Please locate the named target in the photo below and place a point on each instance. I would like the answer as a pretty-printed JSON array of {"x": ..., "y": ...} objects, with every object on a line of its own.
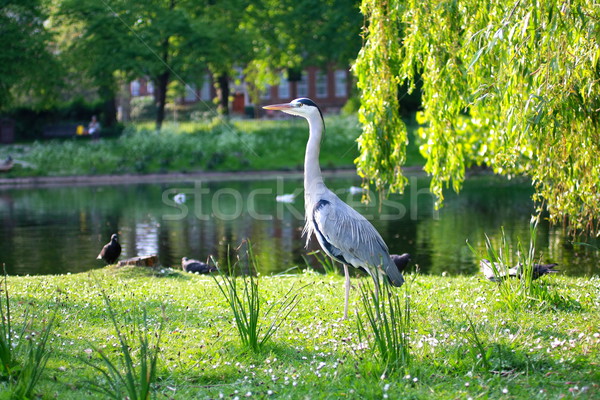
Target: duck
[
  {"x": 196, "y": 266},
  {"x": 401, "y": 261},
  {"x": 514, "y": 272},
  {"x": 7, "y": 164}
]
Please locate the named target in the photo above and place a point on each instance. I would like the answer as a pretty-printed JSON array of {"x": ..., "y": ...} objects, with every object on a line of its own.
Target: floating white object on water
[
  {"x": 356, "y": 190},
  {"x": 285, "y": 198},
  {"x": 179, "y": 198}
]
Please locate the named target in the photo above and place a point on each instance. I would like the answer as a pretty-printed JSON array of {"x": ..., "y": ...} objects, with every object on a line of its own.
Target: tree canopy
[
  {"x": 25, "y": 45},
  {"x": 119, "y": 38},
  {"x": 290, "y": 35},
  {"x": 177, "y": 41},
  {"x": 510, "y": 85}
]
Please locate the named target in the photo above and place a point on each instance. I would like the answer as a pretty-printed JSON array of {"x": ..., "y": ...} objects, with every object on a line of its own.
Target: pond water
[{"x": 61, "y": 229}]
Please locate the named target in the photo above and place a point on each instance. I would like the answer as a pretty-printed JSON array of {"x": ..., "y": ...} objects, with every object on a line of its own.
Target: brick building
[{"x": 330, "y": 88}]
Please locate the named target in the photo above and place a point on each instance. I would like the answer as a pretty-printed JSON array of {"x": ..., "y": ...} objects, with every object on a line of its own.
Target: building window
[
  {"x": 341, "y": 88},
  {"x": 205, "y": 91},
  {"x": 266, "y": 94},
  {"x": 150, "y": 87},
  {"x": 283, "y": 91},
  {"x": 321, "y": 82},
  {"x": 135, "y": 88},
  {"x": 190, "y": 92},
  {"x": 302, "y": 86}
]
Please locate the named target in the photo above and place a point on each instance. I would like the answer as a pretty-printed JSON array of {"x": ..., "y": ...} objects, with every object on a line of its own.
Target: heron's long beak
[{"x": 285, "y": 106}]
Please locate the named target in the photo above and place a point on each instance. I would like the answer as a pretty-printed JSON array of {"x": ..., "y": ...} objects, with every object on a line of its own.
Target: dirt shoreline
[{"x": 99, "y": 180}]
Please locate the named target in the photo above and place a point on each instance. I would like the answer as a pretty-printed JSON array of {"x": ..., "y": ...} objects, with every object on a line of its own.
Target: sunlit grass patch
[
  {"x": 24, "y": 349},
  {"x": 531, "y": 352},
  {"x": 215, "y": 144}
]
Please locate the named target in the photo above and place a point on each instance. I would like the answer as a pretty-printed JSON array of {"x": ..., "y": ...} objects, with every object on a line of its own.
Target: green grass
[
  {"x": 235, "y": 145},
  {"x": 23, "y": 348},
  {"x": 533, "y": 353},
  {"x": 386, "y": 325},
  {"x": 134, "y": 376},
  {"x": 256, "y": 319}
]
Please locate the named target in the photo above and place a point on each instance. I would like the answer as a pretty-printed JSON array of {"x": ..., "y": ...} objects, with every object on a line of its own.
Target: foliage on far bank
[{"x": 218, "y": 145}]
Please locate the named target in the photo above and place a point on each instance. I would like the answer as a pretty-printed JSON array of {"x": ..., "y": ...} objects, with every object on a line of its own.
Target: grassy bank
[
  {"x": 463, "y": 341},
  {"x": 234, "y": 145}
]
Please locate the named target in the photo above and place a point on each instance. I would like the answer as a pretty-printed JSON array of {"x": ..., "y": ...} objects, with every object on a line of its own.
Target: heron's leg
[{"x": 347, "y": 274}]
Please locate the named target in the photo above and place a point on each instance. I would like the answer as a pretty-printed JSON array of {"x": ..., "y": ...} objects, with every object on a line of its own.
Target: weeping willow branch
[{"x": 514, "y": 87}]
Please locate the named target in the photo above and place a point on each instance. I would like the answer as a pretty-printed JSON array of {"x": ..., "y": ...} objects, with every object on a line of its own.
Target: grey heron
[
  {"x": 343, "y": 233},
  {"x": 497, "y": 272},
  {"x": 111, "y": 251}
]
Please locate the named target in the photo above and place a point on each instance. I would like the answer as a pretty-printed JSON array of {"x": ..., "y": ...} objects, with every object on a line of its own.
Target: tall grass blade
[
  {"x": 134, "y": 376},
  {"x": 24, "y": 354},
  {"x": 34, "y": 362},
  {"x": 325, "y": 261},
  {"x": 479, "y": 350},
  {"x": 6, "y": 344},
  {"x": 243, "y": 297},
  {"x": 386, "y": 325}
]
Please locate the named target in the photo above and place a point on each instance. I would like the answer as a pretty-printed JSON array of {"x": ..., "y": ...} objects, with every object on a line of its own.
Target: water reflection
[{"x": 59, "y": 230}]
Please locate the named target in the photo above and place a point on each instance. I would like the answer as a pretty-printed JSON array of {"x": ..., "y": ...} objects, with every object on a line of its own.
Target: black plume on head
[{"x": 309, "y": 102}]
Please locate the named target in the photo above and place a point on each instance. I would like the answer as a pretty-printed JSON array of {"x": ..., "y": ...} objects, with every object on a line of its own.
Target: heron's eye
[{"x": 299, "y": 104}]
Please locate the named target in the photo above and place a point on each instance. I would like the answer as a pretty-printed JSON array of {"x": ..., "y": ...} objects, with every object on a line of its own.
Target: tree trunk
[
  {"x": 163, "y": 81},
  {"x": 223, "y": 93},
  {"x": 161, "y": 97},
  {"x": 109, "y": 106}
]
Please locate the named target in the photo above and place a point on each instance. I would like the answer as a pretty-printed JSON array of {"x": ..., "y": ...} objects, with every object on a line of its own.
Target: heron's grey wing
[{"x": 351, "y": 238}]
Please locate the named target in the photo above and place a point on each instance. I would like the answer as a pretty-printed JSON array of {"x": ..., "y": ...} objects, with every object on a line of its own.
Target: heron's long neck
[{"x": 313, "y": 180}]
